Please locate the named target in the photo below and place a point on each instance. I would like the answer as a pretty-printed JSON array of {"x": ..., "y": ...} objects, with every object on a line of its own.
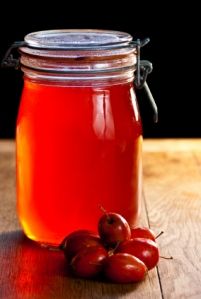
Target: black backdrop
[{"x": 172, "y": 50}]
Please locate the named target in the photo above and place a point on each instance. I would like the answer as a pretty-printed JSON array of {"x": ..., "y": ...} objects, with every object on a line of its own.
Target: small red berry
[
  {"x": 113, "y": 229},
  {"x": 77, "y": 241},
  {"x": 142, "y": 232},
  {"x": 144, "y": 249},
  {"x": 124, "y": 268},
  {"x": 88, "y": 263}
]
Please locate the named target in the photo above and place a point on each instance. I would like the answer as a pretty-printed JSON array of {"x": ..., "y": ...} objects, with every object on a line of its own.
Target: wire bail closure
[
  {"x": 143, "y": 67},
  {"x": 9, "y": 60}
]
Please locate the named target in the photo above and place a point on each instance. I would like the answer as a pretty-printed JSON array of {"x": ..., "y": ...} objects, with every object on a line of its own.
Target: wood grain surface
[{"x": 172, "y": 202}]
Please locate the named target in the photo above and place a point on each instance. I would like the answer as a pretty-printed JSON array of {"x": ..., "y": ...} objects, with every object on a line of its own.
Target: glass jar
[{"x": 79, "y": 132}]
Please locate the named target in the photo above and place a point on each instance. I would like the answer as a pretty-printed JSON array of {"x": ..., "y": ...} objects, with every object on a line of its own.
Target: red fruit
[
  {"x": 113, "y": 229},
  {"x": 144, "y": 249},
  {"x": 77, "y": 241},
  {"x": 124, "y": 268},
  {"x": 142, "y": 232},
  {"x": 88, "y": 263}
]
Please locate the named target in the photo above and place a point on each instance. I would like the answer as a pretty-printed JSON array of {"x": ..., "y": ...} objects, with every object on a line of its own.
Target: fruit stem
[
  {"x": 52, "y": 248},
  {"x": 105, "y": 212},
  {"x": 95, "y": 264},
  {"x": 162, "y": 232},
  {"x": 166, "y": 257}
]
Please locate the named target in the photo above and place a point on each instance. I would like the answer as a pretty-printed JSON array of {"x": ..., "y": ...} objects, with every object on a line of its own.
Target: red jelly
[{"x": 79, "y": 132}]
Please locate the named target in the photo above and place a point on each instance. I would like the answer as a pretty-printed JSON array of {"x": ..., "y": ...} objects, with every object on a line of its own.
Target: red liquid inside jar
[{"x": 78, "y": 148}]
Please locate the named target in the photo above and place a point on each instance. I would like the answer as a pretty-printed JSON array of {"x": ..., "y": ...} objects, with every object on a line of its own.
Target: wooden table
[{"x": 172, "y": 202}]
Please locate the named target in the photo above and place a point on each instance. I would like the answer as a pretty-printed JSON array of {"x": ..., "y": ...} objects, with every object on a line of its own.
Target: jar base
[{"x": 43, "y": 243}]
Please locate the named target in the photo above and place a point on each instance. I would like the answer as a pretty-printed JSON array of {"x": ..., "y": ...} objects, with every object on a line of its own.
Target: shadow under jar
[{"x": 79, "y": 132}]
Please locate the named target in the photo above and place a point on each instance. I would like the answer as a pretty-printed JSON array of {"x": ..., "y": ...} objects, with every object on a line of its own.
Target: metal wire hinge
[
  {"x": 143, "y": 69},
  {"x": 9, "y": 60}
]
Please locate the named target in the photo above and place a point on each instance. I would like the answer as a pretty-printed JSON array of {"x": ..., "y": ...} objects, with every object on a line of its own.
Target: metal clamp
[
  {"x": 9, "y": 60},
  {"x": 143, "y": 69}
]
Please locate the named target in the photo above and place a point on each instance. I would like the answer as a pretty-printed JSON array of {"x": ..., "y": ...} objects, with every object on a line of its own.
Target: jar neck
[{"x": 80, "y": 79}]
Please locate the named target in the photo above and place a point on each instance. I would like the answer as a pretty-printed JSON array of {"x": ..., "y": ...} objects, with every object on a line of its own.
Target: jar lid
[
  {"x": 78, "y": 51},
  {"x": 77, "y": 39}
]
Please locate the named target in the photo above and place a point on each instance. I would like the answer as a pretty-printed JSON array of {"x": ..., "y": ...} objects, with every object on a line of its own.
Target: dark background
[{"x": 173, "y": 52}]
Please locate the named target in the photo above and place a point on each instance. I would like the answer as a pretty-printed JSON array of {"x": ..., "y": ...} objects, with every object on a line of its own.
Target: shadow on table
[{"x": 30, "y": 271}]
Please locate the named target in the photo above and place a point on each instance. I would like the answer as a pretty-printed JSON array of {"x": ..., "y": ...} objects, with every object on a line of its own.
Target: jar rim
[{"x": 82, "y": 39}]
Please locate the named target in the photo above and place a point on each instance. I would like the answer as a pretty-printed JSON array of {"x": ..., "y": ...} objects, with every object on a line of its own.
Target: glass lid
[{"x": 78, "y": 39}]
